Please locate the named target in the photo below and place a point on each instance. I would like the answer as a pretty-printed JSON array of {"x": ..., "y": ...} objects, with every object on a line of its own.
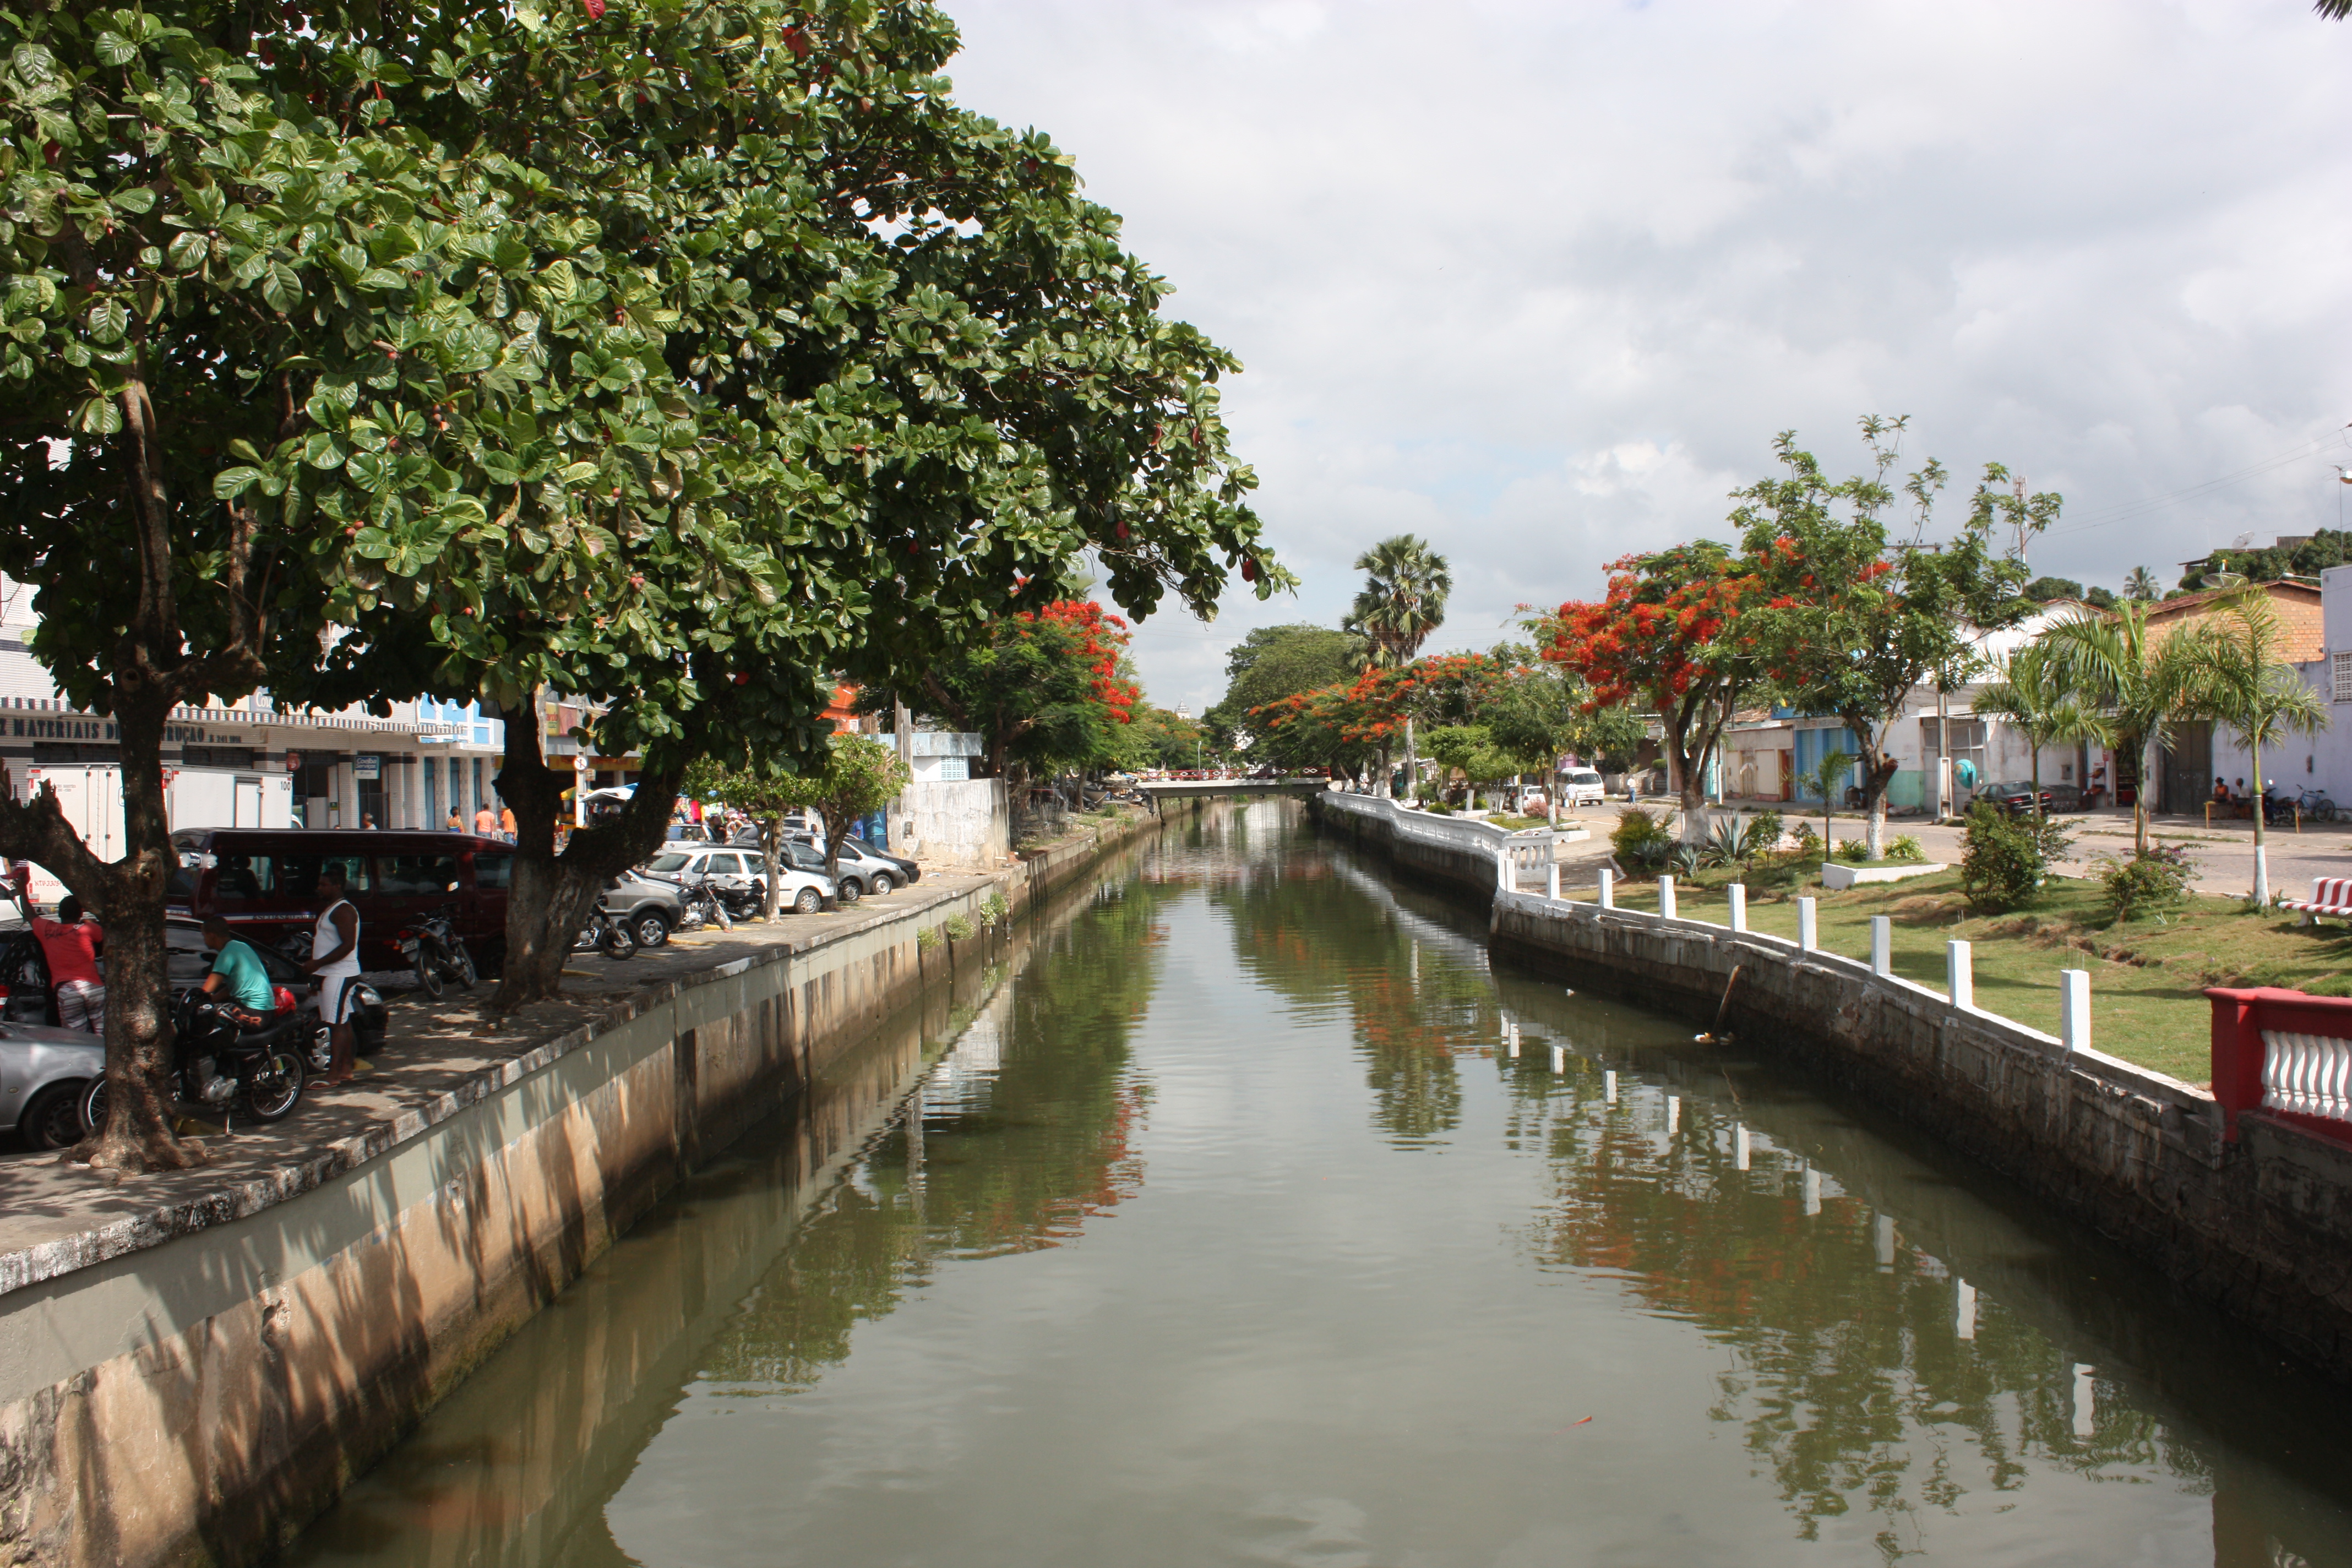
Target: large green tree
[
  {"x": 677, "y": 356},
  {"x": 1852, "y": 618},
  {"x": 1274, "y": 662}
]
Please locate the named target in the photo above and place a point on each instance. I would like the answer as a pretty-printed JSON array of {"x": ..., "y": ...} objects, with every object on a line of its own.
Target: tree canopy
[{"x": 1274, "y": 662}]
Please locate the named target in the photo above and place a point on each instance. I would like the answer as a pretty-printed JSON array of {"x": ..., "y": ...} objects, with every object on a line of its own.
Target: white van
[{"x": 1581, "y": 786}]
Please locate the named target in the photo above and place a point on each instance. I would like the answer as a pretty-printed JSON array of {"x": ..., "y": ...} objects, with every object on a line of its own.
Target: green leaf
[
  {"x": 281, "y": 287},
  {"x": 187, "y": 251},
  {"x": 231, "y": 483},
  {"x": 112, "y": 49}
]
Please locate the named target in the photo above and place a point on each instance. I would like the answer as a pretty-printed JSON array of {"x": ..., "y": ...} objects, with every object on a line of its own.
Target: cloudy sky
[{"x": 1540, "y": 281}]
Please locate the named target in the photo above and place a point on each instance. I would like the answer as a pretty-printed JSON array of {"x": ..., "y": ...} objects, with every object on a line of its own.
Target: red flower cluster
[
  {"x": 1101, "y": 638},
  {"x": 1653, "y": 636}
]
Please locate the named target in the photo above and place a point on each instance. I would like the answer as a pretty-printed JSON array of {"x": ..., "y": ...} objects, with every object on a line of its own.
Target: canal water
[{"x": 1219, "y": 1223}]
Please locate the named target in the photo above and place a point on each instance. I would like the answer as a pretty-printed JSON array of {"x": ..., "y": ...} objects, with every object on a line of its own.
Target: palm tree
[
  {"x": 2138, "y": 676},
  {"x": 1402, "y": 600},
  {"x": 2239, "y": 679},
  {"x": 2034, "y": 689},
  {"x": 2141, "y": 584},
  {"x": 1832, "y": 770}
]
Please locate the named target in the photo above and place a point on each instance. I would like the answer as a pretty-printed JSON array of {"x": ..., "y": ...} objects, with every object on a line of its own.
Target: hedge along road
[{"x": 1230, "y": 1227}]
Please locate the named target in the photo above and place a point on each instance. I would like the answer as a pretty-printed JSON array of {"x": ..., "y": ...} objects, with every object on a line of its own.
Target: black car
[
  {"x": 2017, "y": 799},
  {"x": 25, "y": 997}
]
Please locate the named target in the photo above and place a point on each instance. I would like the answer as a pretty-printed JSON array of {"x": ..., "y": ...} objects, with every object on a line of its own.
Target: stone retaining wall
[
  {"x": 1456, "y": 852},
  {"x": 2262, "y": 1226},
  {"x": 196, "y": 1392}
]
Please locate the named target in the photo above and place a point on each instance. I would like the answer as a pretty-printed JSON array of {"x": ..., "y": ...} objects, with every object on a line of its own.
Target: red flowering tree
[
  {"x": 1850, "y": 622},
  {"x": 1667, "y": 637},
  {"x": 1345, "y": 724},
  {"x": 1047, "y": 690}
]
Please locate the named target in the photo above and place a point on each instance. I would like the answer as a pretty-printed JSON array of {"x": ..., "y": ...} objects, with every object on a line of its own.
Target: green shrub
[
  {"x": 2156, "y": 880},
  {"x": 1853, "y": 851},
  {"x": 1436, "y": 808},
  {"x": 1640, "y": 838},
  {"x": 2006, "y": 857},
  {"x": 1807, "y": 841},
  {"x": 928, "y": 938},
  {"x": 1764, "y": 830},
  {"x": 1907, "y": 847},
  {"x": 959, "y": 928},
  {"x": 994, "y": 908}
]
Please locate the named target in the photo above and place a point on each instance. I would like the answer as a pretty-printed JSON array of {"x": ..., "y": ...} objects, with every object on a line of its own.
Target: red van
[{"x": 264, "y": 881}]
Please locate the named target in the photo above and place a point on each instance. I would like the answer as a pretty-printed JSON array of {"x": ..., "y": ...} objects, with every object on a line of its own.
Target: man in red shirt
[{"x": 72, "y": 944}]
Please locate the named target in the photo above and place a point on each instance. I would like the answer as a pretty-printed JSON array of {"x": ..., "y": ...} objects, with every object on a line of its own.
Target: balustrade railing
[{"x": 2284, "y": 1052}]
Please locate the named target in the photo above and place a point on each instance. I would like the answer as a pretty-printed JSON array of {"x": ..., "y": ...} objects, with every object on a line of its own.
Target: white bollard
[
  {"x": 1959, "y": 974},
  {"x": 1609, "y": 1088},
  {"x": 1739, "y": 1148},
  {"x": 2087, "y": 1404},
  {"x": 1738, "y": 891},
  {"x": 1964, "y": 1316},
  {"x": 1608, "y": 888},
  {"x": 1882, "y": 1240},
  {"x": 1808, "y": 933},
  {"x": 1552, "y": 881},
  {"x": 1666, "y": 898},
  {"x": 1514, "y": 1029},
  {"x": 1882, "y": 945},
  {"x": 2075, "y": 1009},
  {"x": 1674, "y": 1111},
  {"x": 1813, "y": 1190},
  {"x": 1559, "y": 1059}
]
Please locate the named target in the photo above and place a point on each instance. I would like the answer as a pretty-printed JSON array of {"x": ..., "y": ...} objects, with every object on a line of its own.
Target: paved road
[{"x": 2224, "y": 853}]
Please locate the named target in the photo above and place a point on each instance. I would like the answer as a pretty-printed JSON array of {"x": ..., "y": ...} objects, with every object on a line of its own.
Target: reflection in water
[{"x": 1223, "y": 1224}]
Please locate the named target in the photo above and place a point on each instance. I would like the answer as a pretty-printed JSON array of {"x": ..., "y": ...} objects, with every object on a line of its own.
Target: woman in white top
[{"x": 335, "y": 961}]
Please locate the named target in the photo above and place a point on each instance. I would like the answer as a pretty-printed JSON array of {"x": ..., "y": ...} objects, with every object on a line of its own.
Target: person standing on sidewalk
[
  {"x": 486, "y": 821},
  {"x": 335, "y": 963},
  {"x": 72, "y": 945}
]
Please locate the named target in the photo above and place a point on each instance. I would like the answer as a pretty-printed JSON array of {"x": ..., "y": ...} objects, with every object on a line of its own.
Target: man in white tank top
[{"x": 335, "y": 961}]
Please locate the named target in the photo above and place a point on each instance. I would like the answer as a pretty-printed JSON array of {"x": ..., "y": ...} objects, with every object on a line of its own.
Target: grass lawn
[{"x": 2147, "y": 975}]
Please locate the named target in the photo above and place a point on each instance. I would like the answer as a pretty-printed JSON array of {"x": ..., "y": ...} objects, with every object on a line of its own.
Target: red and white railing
[{"x": 2286, "y": 1053}]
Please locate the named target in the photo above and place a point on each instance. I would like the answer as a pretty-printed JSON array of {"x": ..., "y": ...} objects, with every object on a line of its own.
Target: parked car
[
  {"x": 1581, "y": 786},
  {"x": 2016, "y": 797},
  {"x": 688, "y": 832},
  {"x": 263, "y": 880},
  {"x": 44, "y": 1073},
  {"x": 737, "y": 865},
  {"x": 648, "y": 906},
  {"x": 864, "y": 868}
]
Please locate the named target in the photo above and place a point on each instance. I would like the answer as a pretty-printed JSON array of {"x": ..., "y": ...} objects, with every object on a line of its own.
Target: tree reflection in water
[
  {"x": 1849, "y": 1368},
  {"x": 1025, "y": 1130}
]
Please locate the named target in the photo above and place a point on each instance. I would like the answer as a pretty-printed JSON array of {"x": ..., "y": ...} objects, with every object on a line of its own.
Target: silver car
[{"x": 43, "y": 1072}]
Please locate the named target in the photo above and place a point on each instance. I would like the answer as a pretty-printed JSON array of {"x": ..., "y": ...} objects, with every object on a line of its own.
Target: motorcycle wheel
[
  {"x": 466, "y": 972},
  {"x": 616, "y": 942},
  {"x": 276, "y": 1088},
  {"x": 721, "y": 918},
  {"x": 94, "y": 1104},
  {"x": 428, "y": 973}
]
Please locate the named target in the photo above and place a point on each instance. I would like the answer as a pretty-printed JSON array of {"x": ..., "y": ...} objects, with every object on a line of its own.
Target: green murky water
[{"x": 1219, "y": 1225}]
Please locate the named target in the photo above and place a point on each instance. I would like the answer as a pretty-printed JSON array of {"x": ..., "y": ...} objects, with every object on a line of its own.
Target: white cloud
[{"x": 1542, "y": 280}]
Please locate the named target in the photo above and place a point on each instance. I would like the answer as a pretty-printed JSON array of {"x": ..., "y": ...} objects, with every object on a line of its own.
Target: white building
[{"x": 246, "y": 764}]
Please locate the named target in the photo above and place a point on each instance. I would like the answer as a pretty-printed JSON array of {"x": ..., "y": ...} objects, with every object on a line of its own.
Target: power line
[{"x": 2123, "y": 511}]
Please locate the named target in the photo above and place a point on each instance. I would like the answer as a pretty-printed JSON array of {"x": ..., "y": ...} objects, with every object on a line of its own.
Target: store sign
[
  {"x": 293, "y": 762},
  {"x": 367, "y": 766}
]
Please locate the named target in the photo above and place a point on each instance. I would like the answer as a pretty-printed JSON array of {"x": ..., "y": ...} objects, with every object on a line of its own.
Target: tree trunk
[
  {"x": 772, "y": 857},
  {"x": 1876, "y": 776},
  {"x": 2261, "y": 855},
  {"x": 1412, "y": 764},
  {"x": 553, "y": 894}
]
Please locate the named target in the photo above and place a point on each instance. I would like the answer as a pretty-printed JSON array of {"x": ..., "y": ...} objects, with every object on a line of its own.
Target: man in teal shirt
[{"x": 238, "y": 983}]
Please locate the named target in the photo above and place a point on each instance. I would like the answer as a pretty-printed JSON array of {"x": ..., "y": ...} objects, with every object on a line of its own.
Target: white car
[
  {"x": 1581, "y": 786},
  {"x": 731, "y": 865}
]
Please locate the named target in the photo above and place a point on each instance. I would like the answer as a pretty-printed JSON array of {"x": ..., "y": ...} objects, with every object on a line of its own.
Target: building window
[{"x": 2339, "y": 669}]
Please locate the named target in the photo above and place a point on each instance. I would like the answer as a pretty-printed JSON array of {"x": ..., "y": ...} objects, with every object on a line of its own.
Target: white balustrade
[
  {"x": 1809, "y": 930},
  {"x": 1738, "y": 891},
  {"x": 2310, "y": 1075},
  {"x": 1666, "y": 897}
]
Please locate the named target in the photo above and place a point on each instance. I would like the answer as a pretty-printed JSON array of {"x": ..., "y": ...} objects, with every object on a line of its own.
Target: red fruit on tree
[
  {"x": 595, "y": 9},
  {"x": 1249, "y": 568}
]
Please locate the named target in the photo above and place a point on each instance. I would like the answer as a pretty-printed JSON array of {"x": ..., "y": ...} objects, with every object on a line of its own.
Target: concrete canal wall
[
  {"x": 194, "y": 1388},
  {"x": 2262, "y": 1227},
  {"x": 1456, "y": 852}
]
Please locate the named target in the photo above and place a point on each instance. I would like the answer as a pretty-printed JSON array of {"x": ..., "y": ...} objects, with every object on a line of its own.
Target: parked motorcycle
[
  {"x": 699, "y": 905},
  {"x": 321, "y": 1056},
  {"x": 607, "y": 933},
  {"x": 432, "y": 944},
  {"x": 218, "y": 1065}
]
